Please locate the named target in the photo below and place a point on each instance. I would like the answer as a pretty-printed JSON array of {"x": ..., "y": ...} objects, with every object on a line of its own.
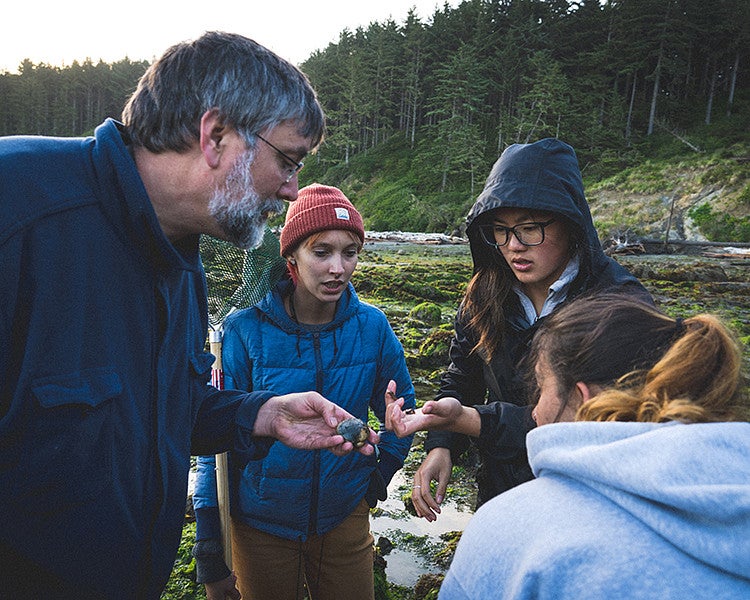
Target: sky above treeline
[{"x": 62, "y": 32}]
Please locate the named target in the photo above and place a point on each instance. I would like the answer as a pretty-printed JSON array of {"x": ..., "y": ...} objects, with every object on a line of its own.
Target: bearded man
[{"x": 103, "y": 313}]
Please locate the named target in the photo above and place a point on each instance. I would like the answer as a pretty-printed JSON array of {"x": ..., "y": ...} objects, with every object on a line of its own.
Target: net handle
[{"x": 222, "y": 463}]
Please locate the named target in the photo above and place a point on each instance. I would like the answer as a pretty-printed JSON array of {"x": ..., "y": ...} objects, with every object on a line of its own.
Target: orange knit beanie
[{"x": 319, "y": 208}]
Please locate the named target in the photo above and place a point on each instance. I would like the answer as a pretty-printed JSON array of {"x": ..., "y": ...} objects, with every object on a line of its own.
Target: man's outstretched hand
[{"x": 307, "y": 421}]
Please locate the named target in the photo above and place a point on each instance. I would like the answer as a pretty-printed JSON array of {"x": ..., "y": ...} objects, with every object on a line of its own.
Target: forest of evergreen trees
[
  {"x": 452, "y": 92},
  {"x": 65, "y": 101},
  {"x": 492, "y": 72}
]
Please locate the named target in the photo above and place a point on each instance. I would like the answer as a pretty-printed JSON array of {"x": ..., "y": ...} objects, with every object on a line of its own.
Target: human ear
[
  {"x": 212, "y": 132},
  {"x": 582, "y": 393}
]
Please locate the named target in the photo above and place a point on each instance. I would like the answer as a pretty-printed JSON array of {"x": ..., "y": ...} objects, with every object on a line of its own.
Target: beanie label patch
[{"x": 342, "y": 213}]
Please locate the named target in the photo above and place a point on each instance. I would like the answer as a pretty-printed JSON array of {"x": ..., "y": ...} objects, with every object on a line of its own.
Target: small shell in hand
[{"x": 354, "y": 431}]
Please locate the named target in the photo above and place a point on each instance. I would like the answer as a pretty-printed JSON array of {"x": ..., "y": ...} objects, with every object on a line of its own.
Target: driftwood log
[{"x": 697, "y": 243}]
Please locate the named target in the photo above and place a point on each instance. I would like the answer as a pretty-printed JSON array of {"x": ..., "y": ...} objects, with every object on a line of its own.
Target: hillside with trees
[
  {"x": 418, "y": 111},
  {"x": 42, "y": 99}
]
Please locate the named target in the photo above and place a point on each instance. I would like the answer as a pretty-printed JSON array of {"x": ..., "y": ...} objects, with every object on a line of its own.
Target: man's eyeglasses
[
  {"x": 529, "y": 234},
  {"x": 294, "y": 166}
]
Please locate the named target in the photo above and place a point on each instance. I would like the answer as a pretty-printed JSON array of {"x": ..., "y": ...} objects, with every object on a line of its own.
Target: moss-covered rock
[{"x": 427, "y": 312}]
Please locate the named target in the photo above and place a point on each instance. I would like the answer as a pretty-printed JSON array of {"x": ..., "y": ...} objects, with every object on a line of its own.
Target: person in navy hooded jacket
[
  {"x": 301, "y": 518},
  {"x": 534, "y": 247},
  {"x": 103, "y": 313}
]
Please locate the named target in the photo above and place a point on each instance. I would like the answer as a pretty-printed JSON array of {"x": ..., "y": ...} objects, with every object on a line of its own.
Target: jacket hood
[
  {"x": 540, "y": 176},
  {"x": 135, "y": 209},
  {"x": 690, "y": 484}
]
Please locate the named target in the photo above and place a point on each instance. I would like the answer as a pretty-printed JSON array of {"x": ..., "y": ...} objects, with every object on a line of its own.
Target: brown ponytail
[{"x": 653, "y": 368}]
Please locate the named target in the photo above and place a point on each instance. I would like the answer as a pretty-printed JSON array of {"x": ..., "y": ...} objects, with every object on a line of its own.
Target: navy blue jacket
[
  {"x": 541, "y": 176},
  {"x": 103, "y": 373},
  {"x": 295, "y": 493}
]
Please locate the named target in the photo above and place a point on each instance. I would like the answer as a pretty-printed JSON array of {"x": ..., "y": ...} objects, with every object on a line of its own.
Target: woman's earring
[{"x": 292, "y": 261}]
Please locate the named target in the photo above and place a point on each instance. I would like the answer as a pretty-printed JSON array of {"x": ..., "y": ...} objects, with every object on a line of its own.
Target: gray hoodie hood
[
  {"x": 620, "y": 511},
  {"x": 689, "y": 484}
]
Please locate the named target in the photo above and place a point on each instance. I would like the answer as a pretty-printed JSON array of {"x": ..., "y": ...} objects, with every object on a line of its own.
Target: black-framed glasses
[
  {"x": 290, "y": 171},
  {"x": 529, "y": 234}
]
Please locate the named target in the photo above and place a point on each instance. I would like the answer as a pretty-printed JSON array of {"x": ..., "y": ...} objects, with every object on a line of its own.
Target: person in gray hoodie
[
  {"x": 534, "y": 247},
  {"x": 647, "y": 494}
]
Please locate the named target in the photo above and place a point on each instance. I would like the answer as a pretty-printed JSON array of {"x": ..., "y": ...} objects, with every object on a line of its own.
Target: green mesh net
[
  {"x": 236, "y": 279},
  {"x": 239, "y": 278}
]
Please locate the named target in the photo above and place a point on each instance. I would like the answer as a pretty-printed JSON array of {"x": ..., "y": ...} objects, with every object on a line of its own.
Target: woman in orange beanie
[{"x": 300, "y": 519}]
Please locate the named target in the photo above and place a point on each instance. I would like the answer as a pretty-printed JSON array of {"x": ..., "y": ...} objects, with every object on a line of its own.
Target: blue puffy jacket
[
  {"x": 103, "y": 374},
  {"x": 293, "y": 493}
]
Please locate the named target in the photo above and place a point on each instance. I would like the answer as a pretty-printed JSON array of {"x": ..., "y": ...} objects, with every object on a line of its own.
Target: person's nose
[
  {"x": 514, "y": 243},
  {"x": 336, "y": 265},
  {"x": 289, "y": 190}
]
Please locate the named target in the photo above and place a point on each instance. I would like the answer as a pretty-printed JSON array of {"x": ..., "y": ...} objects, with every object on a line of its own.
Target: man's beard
[{"x": 237, "y": 207}]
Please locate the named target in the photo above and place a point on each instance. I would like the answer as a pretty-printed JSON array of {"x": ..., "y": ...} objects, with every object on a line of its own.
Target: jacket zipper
[{"x": 315, "y": 480}]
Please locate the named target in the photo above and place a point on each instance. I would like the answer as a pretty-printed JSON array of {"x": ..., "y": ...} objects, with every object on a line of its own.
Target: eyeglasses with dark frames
[
  {"x": 289, "y": 171},
  {"x": 529, "y": 234}
]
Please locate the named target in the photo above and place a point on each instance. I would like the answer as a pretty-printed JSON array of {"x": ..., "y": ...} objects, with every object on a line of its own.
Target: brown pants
[{"x": 335, "y": 566}]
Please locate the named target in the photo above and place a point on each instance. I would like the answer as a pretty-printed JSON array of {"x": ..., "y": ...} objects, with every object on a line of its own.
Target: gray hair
[{"x": 252, "y": 88}]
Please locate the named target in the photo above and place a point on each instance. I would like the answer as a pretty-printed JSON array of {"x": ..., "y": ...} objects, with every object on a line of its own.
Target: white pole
[{"x": 222, "y": 466}]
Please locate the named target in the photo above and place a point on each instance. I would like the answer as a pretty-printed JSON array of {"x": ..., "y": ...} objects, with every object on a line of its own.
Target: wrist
[
  {"x": 264, "y": 420},
  {"x": 469, "y": 422},
  {"x": 438, "y": 450}
]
